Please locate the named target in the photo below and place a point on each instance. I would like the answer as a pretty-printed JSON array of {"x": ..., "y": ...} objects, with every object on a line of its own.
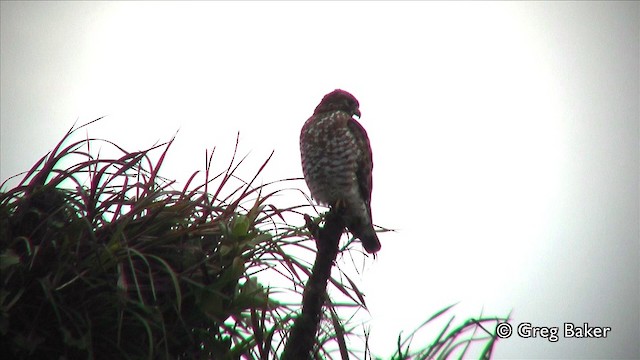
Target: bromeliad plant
[{"x": 104, "y": 259}]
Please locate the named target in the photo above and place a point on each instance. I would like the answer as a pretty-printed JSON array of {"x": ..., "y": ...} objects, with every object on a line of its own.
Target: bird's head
[{"x": 339, "y": 100}]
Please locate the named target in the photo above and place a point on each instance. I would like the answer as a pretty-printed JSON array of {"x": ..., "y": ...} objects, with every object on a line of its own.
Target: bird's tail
[{"x": 367, "y": 235}]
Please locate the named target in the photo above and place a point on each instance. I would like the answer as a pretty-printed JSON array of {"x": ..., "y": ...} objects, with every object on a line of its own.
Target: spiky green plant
[
  {"x": 453, "y": 341},
  {"x": 104, "y": 259}
]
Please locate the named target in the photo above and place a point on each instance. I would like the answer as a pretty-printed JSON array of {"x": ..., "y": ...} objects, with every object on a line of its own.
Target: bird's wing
[{"x": 364, "y": 161}]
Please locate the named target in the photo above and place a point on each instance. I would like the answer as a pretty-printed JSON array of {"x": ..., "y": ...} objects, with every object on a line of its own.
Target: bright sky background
[{"x": 505, "y": 135}]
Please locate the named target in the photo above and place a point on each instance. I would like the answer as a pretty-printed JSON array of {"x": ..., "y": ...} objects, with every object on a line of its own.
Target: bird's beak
[{"x": 357, "y": 113}]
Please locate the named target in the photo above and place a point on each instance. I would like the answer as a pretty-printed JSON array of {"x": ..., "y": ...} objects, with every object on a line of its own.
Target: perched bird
[{"x": 337, "y": 163}]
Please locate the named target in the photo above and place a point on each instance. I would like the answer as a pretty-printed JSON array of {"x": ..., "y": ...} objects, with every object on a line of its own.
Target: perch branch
[{"x": 303, "y": 332}]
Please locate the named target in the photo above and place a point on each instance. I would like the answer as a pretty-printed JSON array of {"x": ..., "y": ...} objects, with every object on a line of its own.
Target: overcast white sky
[{"x": 505, "y": 135}]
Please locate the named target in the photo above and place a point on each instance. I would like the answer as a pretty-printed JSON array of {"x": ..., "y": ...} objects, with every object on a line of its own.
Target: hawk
[{"x": 337, "y": 163}]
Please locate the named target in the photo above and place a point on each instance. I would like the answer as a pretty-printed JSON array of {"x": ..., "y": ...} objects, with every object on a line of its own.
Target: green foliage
[
  {"x": 104, "y": 259},
  {"x": 453, "y": 341}
]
